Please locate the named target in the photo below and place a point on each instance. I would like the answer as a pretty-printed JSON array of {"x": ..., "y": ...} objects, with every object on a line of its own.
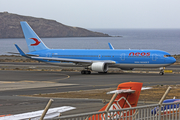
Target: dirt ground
[{"x": 153, "y": 94}]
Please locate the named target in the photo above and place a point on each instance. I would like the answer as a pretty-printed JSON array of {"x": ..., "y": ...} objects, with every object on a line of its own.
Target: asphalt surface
[{"x": 13, "y": 83}]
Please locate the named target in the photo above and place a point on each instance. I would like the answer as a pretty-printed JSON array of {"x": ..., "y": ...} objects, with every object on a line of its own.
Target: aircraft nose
[{"x": 173, "y": 60}]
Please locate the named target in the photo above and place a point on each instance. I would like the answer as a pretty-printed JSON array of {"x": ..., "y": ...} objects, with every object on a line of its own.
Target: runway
[{"x": 13, "y": 83}]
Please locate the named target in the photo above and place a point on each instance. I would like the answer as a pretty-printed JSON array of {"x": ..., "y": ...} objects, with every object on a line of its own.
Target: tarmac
[{"x": 18, "y": 82}]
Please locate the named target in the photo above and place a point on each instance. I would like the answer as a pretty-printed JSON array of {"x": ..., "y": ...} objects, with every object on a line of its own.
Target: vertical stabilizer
[
  {"x": 33, "y": 41},
  {"x": 127, "y": 97},
  {"x": 126, "y": 100}
]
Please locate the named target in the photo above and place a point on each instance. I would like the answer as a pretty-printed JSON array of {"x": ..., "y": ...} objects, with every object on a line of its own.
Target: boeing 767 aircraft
[{"x": 98, "y": 60}]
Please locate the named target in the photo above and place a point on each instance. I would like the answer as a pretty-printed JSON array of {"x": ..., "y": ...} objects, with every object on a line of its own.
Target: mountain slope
[{"x": 10, "y": 27}]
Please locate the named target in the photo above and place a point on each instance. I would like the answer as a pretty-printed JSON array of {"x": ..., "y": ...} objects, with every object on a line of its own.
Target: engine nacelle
[{"x": 99, "y": 67}]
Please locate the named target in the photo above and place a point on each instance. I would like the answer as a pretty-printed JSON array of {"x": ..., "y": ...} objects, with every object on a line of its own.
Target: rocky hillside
[{"x": 10, "y": 27}]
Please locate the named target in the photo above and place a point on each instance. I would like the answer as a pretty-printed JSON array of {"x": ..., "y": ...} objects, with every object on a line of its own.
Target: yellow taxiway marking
[{"x": 168, "y": 71}]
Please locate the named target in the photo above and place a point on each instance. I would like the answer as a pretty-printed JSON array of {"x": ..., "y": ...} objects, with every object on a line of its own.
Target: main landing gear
[
  {"x": 85, "y": 72},
  {"x": 161, "y": 71},
  {"x": 102, "y": 72}
]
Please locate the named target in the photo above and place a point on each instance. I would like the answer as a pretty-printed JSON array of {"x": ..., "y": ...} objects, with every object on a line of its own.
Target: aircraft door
[
  {"x": 99, "y": 56},
  {"x": 122, "y": 56},
  {"x": 154, "y": 57}
]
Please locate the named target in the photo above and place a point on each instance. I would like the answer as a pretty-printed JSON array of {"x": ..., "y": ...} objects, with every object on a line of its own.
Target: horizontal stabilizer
[
  {"x": 127, "y": 90},
  {"x": 146, "y": 88},
  {"x": 31, "y": 55},
  {"x": 20, "y": 51},
  {"x": 121, "y": 91},
  {"x": 13, "y": 53}
]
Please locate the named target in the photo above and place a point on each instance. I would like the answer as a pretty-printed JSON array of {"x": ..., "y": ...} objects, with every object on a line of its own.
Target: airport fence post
[
  {"x": 165, "y": 94},
  {"x": 109, "y": 105},
  {"x": 111, "y": 101},
  {"x": 106, "y": 115},
  {"x": 46, "y": 109},
  {"x": 160, "y": 102}
]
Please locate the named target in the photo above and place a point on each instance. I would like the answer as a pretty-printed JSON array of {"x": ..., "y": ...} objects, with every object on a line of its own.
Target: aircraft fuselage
[{"x": 123, "y": 58}]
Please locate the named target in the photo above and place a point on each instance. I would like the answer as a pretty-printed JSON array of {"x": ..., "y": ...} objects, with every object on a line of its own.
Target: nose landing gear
[{"x": 161, "y": 71}]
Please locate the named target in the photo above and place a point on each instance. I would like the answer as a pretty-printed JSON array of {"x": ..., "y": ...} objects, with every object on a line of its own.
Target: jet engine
[{"x": 99, "y": 67}]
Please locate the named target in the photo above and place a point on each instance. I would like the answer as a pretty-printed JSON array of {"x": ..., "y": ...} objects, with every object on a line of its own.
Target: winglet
[
  {"x": 20, "y": 51},
  {"x": 110, "y": 46}
]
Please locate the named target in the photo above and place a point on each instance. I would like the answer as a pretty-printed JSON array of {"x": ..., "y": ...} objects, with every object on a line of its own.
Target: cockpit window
[{"x": 167, "y": 55}]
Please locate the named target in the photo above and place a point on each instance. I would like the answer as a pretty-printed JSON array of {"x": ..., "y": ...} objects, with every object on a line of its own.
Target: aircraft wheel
[
  {"x": 161, "y": 73},
  {"x": 89, "y": 72},
  {"x": 83, "y": 72},
  {"x": 86, "y": 72},
  {"x": 102, "y": 72}
]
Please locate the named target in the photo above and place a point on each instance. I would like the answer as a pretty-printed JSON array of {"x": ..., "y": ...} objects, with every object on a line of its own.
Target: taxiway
[{"x": 14, "y": 83}]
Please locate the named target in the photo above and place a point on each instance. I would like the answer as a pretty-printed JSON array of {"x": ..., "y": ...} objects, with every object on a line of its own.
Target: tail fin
[
  {"x": 33, "y": 41},
  {"x": 127, "y": 97}
]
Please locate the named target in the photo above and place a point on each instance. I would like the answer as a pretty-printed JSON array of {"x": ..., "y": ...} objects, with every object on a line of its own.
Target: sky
[{"x": 117, "y": 14}]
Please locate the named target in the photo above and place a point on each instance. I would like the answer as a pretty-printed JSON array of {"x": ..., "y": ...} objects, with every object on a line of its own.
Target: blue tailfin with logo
[{"x": 33, "y": 41}]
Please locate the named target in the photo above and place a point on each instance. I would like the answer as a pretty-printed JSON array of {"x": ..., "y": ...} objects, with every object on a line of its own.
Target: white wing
[
  {"x": 73, "y": 60},
  {"x": 53, "y": 112}
]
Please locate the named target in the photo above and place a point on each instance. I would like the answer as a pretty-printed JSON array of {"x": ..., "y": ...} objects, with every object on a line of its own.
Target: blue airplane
[
  {"x": 167, "y": 109},
  {"x": 98, "y": 60}
]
